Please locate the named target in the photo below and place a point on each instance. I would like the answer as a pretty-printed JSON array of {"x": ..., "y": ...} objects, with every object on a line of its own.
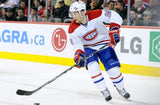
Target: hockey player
[{"x": 88, "y": 33}]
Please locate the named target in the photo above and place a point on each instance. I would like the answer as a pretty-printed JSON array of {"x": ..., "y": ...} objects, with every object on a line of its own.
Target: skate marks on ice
[
  {"x": 95, "y": 97},
  {"x": 116, "y": 100},
  {"x": 122, "y": 101},
  {"x": 74, "y": 88},
  {"x": 87, "y": 97},
  {"x": 68, "y": 94},
  {"x": 8, "y": 103}
]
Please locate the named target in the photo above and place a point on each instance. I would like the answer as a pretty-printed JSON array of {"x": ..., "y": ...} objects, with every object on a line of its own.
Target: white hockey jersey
[{"x": 94, "y": 34}]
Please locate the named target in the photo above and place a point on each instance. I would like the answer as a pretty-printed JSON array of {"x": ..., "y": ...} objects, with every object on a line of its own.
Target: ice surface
[{"x": 73, "y": 88}]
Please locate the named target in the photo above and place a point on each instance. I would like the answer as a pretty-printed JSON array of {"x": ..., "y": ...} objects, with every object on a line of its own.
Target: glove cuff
[
  {"x": 114, "y": 26},
  {"x": 79, "y": 51}
]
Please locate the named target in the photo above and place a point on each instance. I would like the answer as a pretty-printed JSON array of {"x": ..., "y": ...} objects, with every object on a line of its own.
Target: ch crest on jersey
[{"x": 90, "y": 35}]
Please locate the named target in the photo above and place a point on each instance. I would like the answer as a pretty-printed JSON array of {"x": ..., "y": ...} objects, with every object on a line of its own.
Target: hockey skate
[
  {"x": 123, "y": 93},
  {"x": 106, "y": 94}
]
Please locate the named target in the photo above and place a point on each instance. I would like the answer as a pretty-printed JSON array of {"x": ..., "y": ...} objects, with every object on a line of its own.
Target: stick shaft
[
  {"x": 70, "y": 68},
  {"x": 23, "y": 92}
]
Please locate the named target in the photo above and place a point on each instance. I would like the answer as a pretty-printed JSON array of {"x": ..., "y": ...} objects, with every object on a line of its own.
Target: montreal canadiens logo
[
  {"x": 90, "y": 35},
  {"x": 59, "y": 39}
]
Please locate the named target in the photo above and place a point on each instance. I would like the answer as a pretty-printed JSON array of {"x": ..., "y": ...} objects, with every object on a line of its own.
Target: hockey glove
[
  {"x": 78, "y": 58},
  {"x": 114, "y": 33}
]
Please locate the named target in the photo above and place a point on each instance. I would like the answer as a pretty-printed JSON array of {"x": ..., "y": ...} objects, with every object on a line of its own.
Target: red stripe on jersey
[
  {"x": 97, "y": 43},
  {"x": 116, "y": 77},
  {"x": 96, "y": 75},
  {"x": 73, "y": 26},
  {"x": 94, "y": 14}
]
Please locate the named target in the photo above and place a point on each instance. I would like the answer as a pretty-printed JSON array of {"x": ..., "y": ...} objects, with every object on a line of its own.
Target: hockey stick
[{"x": 25, "y": 92}]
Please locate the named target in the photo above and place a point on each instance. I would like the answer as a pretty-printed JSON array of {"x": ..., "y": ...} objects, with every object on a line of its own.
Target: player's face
[{"x": 76, "y": 16}]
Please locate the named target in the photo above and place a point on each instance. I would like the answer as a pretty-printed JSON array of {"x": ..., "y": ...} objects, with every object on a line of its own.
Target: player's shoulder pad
[
  {"x": 94, "y": 14},
  {"x": 73, "y": 26}
]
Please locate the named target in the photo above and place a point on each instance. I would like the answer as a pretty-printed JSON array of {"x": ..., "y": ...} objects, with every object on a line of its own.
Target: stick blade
[{"x": 23, "y": 92}]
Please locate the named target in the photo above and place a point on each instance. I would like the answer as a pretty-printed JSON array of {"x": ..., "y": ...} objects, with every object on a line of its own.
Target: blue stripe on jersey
[
  {"x": 118, "y": 81},
  {"x": 99, "y": 80}
]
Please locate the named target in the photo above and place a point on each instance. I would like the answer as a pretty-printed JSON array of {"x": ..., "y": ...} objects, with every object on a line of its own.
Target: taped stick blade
[{"x": 23, "y": 92}]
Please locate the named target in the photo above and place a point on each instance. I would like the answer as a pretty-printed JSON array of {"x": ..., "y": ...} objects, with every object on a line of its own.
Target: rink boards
[{"x": 138, "y": 51}]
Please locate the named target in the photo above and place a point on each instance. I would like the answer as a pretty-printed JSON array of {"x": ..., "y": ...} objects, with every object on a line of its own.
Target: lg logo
[
  {"x": 135, "y": 46},
  {"x": 59, "y": 39}
]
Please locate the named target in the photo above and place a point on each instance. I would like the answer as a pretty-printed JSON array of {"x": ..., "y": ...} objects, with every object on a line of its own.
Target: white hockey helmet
[{"x": 77, "y": 6}]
